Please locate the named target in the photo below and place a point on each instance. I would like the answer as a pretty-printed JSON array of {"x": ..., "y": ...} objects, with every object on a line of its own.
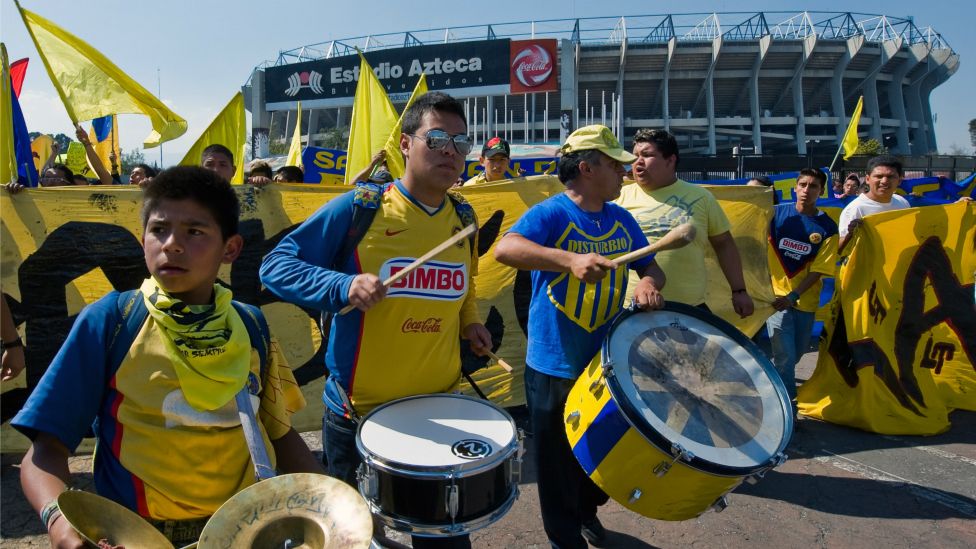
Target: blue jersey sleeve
[
  {"x": 66, "y": 401},
  {"x": 300, "y": 268},
  {"x": 535, "y": 224},
  {"x": 636, "y": 234}
]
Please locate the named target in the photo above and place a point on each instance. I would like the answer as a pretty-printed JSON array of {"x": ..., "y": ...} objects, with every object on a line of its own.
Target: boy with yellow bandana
[{"x": 170, "y": 443}]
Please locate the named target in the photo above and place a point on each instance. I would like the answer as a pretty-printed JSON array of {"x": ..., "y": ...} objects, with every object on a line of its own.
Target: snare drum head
[
  {"x": 438, "y": 431},
  {"x": 696, "y": 381}
]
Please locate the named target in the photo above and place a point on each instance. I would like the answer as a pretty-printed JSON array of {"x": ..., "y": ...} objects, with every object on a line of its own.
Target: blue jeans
[
  {"x": 566, "y": 494},
  {"x": 339, "y": 447},
  {"x": 789, "y": 336}
]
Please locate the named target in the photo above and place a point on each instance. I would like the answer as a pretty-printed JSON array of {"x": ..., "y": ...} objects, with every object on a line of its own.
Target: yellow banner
[
  {"x": 900, "y": 340},
  {"x": 61, "y": 249}
]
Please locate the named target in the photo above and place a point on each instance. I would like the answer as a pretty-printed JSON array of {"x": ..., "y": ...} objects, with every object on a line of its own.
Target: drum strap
[
  {"x": 474, "y": 385},
  {"x": 252, "y": 435},
  {"x": 346, "y": 403}
]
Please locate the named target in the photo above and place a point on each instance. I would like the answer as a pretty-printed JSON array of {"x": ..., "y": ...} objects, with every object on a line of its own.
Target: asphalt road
[{"x": 840, "y": 488}]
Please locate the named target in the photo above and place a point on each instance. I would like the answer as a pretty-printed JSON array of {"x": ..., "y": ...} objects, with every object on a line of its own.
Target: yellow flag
[
  {"x": 394, "y": 158},
  {"x": 850, "y": 136},
  {"x": 229, "y": 129},
  {"x": 41, "y": 149},
  {"x": 104, "y": 148},
  {"x": 295, "y": 151},
  {"x": 373, "y": 116},
  {"x": 91, "y": 86},
  {"x": 8, "y": 158}
]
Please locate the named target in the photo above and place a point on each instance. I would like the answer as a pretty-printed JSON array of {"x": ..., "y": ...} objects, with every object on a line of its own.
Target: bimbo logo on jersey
[
  {"x": 432, "y": 280},
  {"x": 795, "y": 246}
]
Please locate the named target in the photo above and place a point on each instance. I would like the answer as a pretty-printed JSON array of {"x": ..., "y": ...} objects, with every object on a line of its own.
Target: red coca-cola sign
[{"x": 533, "y": 66}]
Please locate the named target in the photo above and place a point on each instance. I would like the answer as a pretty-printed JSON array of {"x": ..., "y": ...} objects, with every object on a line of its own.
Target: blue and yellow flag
[
  {"x": 900, "y": 341},
  {"x": 104, "y": 137},
  {"x": 229, "y": 128},
  {"x": 91, "y": 86},
  {"x": 373, "y": 117}
]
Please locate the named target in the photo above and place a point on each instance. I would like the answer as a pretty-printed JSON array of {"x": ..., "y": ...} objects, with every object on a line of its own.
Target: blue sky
[{"x": 204, "y": 50}]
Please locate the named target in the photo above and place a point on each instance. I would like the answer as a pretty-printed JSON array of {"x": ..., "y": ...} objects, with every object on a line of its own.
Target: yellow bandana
[{"x": 211, "y": 350}]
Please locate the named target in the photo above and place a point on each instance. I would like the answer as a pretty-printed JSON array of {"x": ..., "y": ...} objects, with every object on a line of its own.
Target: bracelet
[
  {"x": 793, "y": 296},
  {"x": 49, "y": 512},
  {"x": 739, "y": 291},
  {"x": 11, "y": 344}
]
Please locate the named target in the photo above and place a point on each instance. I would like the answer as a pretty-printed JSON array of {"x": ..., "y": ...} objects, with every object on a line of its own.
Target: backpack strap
[
  {"x": 132, "y": 314},
  {"x": 366, "y": 201},
  {"x": 467, "y": 216},
  {"x": 257, "y": 331}
]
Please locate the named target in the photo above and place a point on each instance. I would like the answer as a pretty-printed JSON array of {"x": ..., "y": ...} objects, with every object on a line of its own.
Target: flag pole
[
  {"x": 836, "y": 156},
  {"x": 159, "y": 94}
]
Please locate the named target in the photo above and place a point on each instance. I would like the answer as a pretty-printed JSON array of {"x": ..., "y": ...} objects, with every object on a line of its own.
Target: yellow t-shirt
[{"x": 659, "y": 211}]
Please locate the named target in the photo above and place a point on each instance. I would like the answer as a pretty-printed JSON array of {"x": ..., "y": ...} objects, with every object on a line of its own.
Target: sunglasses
[{"x": 438, "y": 139}]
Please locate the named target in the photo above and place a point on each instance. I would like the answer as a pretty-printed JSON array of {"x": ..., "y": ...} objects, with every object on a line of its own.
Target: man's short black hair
[
  {"x": 260, "y": 167},
  {"x": 65, "y": 171},
  {"x": 763, "y": 180},
  {"x": 817, "y": 176},
  {"x": 146, "y": 169},
  {"x": 203, "y": 186},
  {"x": 888, "y": 162},
  {"x": 216, "y": 148},
  {"x": 291, "y": 174},
  {"x": 428, "y": 102},
  {"x": 568, "y": 168},
  {"x": 663, "y": 141}
]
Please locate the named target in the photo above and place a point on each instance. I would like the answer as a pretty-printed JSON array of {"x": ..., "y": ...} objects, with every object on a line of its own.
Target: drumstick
[
  {"x": 466, "y": 232},
  {"x": 676, "y": 238},
  {"x": 500, "y": 362}
]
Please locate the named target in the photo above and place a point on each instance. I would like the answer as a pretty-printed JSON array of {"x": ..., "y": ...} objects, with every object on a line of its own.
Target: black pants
[
  {"x": 339, "y": 445},
  {"x": 566, "y": 494}
]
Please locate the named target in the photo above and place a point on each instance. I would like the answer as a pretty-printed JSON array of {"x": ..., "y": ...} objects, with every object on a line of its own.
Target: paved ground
[{"x": 840, "y": 488}]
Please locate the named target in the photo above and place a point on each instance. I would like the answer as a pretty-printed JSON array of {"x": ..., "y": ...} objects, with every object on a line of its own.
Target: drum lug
[
  {"x": 779, "y": 459},
  {"x": 634, "y": 496},
  {"x": 662, "y": 468},
  {"x": 368, "y": 480},
  {"x": 679, "y": 452},
  {"x": 516, "y": 475},
  {"x": 451, "y": 500},
  {"x": 720, "y": 504},
  {"x": 574, "y": 419}
]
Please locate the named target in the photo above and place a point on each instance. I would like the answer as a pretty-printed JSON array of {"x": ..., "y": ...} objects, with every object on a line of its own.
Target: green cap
[{"x": 596, "y": 137}]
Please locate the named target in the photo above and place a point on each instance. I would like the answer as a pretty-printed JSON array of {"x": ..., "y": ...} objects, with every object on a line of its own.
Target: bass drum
[
  {"x": 439, "y": 465},
  {"x": 680, "y": 409}
]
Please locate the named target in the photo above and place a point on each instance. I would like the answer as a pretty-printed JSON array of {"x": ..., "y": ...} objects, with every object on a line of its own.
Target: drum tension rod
[{"x": 678, "y": 452}]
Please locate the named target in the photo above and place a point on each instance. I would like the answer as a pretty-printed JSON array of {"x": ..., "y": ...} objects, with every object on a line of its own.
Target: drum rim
[
  {"x": 634, "y": 418},
  {"x": 463, "y": 470}
]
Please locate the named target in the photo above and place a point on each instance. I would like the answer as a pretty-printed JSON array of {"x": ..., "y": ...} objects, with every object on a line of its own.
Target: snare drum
[
  {"x": 680, "y": 409},
  {"x": 439, "y": 465}
]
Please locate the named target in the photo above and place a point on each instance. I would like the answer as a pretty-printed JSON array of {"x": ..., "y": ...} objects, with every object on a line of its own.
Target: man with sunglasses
[{"x": 413, "y": 214}]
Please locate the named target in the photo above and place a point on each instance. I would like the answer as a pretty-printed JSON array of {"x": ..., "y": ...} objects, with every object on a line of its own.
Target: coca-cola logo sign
[
  {"x": 532, "y": 66},
  {"x": 430, "y": 325}
]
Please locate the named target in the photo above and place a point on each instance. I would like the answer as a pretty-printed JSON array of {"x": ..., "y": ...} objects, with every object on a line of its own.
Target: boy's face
[
  {"x": 220, "y": 164},
  {"x": 495, "y": 167},
  {"x": 807, "y": 190},
  {"x": 184, "y": 249}
]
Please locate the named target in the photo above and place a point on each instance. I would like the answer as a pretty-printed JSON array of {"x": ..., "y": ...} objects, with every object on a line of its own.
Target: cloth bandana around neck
[{"x": 210, "y": 350}]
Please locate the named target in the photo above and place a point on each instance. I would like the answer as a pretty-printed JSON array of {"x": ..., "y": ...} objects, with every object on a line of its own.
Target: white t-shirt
[{"x": 863, "y": 206}]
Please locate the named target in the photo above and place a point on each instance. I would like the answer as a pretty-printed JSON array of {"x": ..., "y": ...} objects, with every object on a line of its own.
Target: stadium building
[{"x": 765, "y": 83}]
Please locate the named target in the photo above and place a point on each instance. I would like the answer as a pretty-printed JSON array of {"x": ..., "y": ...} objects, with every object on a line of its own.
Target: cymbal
[
  {"x": 97, "y": 518},
  {"x": 302, "y": 510}
]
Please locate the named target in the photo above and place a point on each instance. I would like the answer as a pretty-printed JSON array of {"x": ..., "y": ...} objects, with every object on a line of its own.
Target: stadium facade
[{"x": 762, "y": 83}]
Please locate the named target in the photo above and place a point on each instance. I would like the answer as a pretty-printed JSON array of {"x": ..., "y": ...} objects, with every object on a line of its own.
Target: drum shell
[{"x": 682, "y": 493}]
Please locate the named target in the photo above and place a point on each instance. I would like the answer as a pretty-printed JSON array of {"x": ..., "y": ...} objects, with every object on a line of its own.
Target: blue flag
[
  {"x": 26, "y": 172},
  {"x": 103, "y": 127}
]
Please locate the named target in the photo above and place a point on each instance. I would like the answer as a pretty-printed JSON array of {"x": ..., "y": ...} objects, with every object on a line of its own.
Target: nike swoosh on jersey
[{"x": 394, "y": 233}]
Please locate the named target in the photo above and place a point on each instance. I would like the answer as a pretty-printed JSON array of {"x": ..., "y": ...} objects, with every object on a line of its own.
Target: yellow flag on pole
[
  {"x": 394, "y": 158},
  {"x": 229, "y": 129},
  {"x": 850, "y": 136},
  {"x": 295, "y": 151},
  {"x": 373, "y": 116},
  {"x": 8, "y": 158},
  {"x": 91, "y": 86}
]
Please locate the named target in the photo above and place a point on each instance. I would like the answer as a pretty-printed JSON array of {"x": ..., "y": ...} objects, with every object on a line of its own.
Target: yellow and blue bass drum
[{"x": 678, "y": 411}]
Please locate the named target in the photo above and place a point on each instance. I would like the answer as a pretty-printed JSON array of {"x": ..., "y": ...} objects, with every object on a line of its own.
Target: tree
[
  {"x": 972, "y": 132},
  {"x": 870, "y": 147},
  {"x": 63, "y": 141},
  {"x": 336, "y": 138},
  {"x": 956, "y": 150},
  {"x": 131, "y": 158}
]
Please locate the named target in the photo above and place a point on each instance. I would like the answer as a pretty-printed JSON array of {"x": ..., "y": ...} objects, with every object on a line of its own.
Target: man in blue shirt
[{"x": 569, "y": 242}]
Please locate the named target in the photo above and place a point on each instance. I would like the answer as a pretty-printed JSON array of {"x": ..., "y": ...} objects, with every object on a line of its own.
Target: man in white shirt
[{"x": 884, "y": 174}]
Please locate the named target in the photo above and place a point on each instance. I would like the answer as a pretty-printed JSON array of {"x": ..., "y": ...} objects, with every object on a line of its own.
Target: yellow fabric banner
[
  {"x": 8, "y": 159},
  {"x": 295, "y": 150},
  {"x": 229, "y": 128},
  {"x": 900, "y": 341},
  {"x": 91, "y": 86},
  {"x": 394, "y": 157},
  {"x": 373, "y": 116},
  {"x": 41, "y": 149},
  {"x": 61, "y": 249}
]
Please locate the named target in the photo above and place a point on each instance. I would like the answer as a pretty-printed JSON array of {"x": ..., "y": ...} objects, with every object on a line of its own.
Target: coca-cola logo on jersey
[
  {"x": 532, "y": 66},
  {"x": 430, "y": 325}
]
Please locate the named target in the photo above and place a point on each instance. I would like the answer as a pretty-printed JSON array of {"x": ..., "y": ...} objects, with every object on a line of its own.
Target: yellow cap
[{"x": 597, "y": 137}]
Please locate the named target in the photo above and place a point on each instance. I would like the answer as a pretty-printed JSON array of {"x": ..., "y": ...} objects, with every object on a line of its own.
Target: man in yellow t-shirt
[{"x": 660, "y": 201}]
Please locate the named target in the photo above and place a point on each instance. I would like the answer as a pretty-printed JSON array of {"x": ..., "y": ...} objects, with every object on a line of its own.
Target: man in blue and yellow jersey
[
  {"x": 660, "y": 201},
  {"x": 802, "y": 248},
  {"x": 375, "y": 353},
  {"x": 569, "y": 242}
]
